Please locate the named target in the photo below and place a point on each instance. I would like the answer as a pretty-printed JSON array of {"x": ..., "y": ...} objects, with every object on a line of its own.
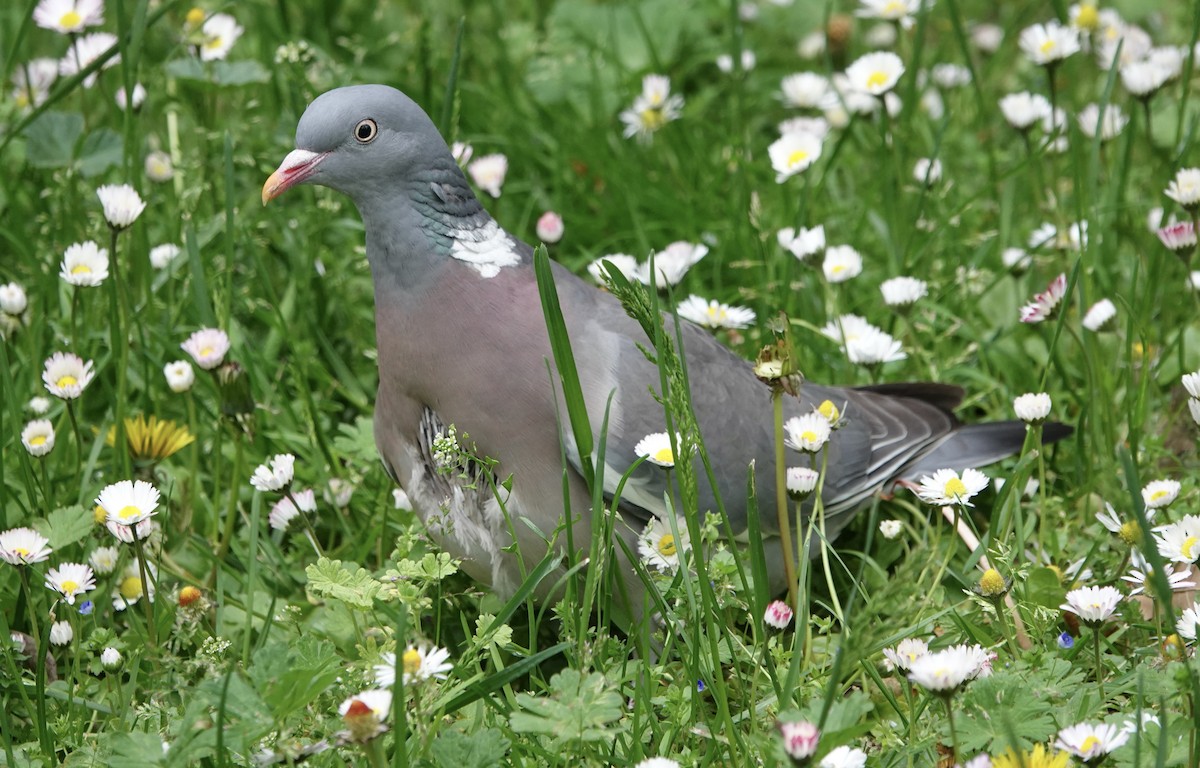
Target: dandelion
[
  {"x": 111, "y": 658},
  {"x": 804, "y": 243},
  {"x": 71, "y": 580},
  {"x": 807, "y": 433},
  {"x": 800, "y": 481},
  {"x": 875, "y": 73},
  {"x": 419, "y": 663},
  {"x": 1024, "y": 110},
  {"x": 945, "y": 487},
  {"x": 805, "y": 90},
  {"x": 1160, "y": 493},
  {"x": 1093, "y": 605},
  {"x": 714, "y": 314},
  {"x": 86, "y": 50},
  {"x": 84, "y": 264},
  {"x": 792, "y": 153},
  {"x": 549, "y": 227},
  {"x": 1090, "y": 743},
  {"x": 652, "y": 109},
  {"x": 488, "y": 172},
  {"x": 1038, "y": 757},
  {"x": 68, "y": 17},
  {"x": 945, "y": 671},
  {"x": 128, "y": 506},
  {"x": 904, "y": 655},
  {"x": 22, "y": 546},
  {"x": 1099, "y": 314},
  {"x": 1048, "y": 44},
  {"x": 207, "y": 347},
  {"x": 61, "y": 633},
  {"x": 842, "y": 263},
  {"x": 179, "y": 375},
  {"x": 66, "y": 375},
  {"x": 778, "y": 615},
  {"x": 162, "y": 256},
  {"x": 276, "y": 474},
  {"x": 659, "y": 547},
  {"x": 220, "y": 32},
  {"x": 671, "y": 263},
  {"x": 799, "y": 739},
  {"x": 1044, "y": 304},
  {"x": 153, "y": 439},
  {"x": 903, "y": 291},
  {"x": 291, "y": 505},
  {"x": 122, "y": 204},
  {"x": 38, "y": 437},
  {"x": 1185, "y": 189},
  {"x": 1032, "y": 407}
]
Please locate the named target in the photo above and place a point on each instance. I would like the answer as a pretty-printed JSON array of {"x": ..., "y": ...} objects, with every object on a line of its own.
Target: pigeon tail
[{"x": 977, "y": 445}]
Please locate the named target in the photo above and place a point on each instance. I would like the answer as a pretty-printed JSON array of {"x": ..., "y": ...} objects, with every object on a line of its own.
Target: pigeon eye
[{"x": 365, "y": 131}]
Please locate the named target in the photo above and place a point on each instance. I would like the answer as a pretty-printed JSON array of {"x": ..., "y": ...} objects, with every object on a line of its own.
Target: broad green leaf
[
  {"x": 481, "y": 749},
  {"x": 290, "y": 677},
  {"x": 66, "y": 526},
  {"x": 239, "y": 73},
  {"x": 51, "y": 139},
  {"x": 101, "y": 150},
  {"x": 1044, "y": 588},
  {"x": 330, "y": 578},
  {"x": 578, "y": 709}
]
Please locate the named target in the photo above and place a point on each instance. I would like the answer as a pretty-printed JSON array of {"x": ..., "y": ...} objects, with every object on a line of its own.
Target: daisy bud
[
  {"x": 778, "y": 615},
  {"x": 1032, "y": 407},
  {"x": 992, "y": 584},
  {"x": 110, "y": 658},
  {"x": 158, "y": 167},
  {"x": 180, "y": 375},
  {"x": 890, "y": 529},
  {"x": 12, "y": 299},
  {"x": 1185, "y": 189},
  {"x": 800, "y": 739},
  {"x": 61, "y": 633},
  {"x": 550, "y": 227},
  {"x": 38, "y": 437},
  {"x": 122, "y": 204},
  {"x": 801, "y": 481}
]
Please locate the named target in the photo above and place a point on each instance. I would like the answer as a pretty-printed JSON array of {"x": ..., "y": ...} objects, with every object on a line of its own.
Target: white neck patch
[{"x": 487, "y": 249}]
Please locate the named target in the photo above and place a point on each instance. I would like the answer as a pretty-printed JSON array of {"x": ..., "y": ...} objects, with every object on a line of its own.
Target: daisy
[
  {"x": 22, "y": 546},
  {"x": 549, "y": 228},
  {"x": 488, "y": 172},
  {"x": 987, "y": 37},
  {"x": 104, "y": 559},
  {"x": 874, "y": 347},
  {"x": 1032, "y": 407},
  {"x": 38, "y": 437},
  {"x": 1084, "y": 16},
  {"x": 844, "y": 757},
  {"x": 61, "y": 633},
  {"x": 927, "y": 172},
  {"x": 903, "y": 291},
  {"x": 39, "y": 405},
  {"x": 1194, "y": 409},
  {"x": 904, "y": 655},
  {"x": 1048, "y": 44},
  {"x": 1093, "y": 605},
  {"x": 1179, "y": 542},
  {"x": 846, "y": 328},
  {"x": 807, "y": 433},
  {"x": 110, "y": 657},
  {"x": 158, "y": 166},
  {"x": 128, "y": 506},
  {"x": 1044, "y": 304},
  {"x": 13, "y": 300},
  {"x": 778, "y": 615},
  {"x": 792, "y": 153},
  {"x": 179, "y": 375},
  {"x": 1191, "y": 382},
  {"x": 276, "y": 475},
  {"x": 945, "y": 671},
  {"x": 419, "y": 664},
  {"x": 207, "y": 347},
  {"x": 84, "y": 264},
  {"x": 365, "y": 714},
  {"x": 658, "y": 546},
  {"x": 1180, "y": 238},
  {"x": 1099, "y": 314},
  {"x": 139, "y": 97},
  {"x": 804, "y": 243},
  {"x": 799, "y": 739},
  {"x": 68, "y": 17},
  {"x": 32, "y": 80},
  {"x": 841, "y": 263},
  {"x": 122, "y": 204},
  {"x": 1024, "y": 110},
  {"x": 747, "y": 60},
  {"x": 671, "y": 263},
  {"x": 945, "y": 487},
  {"x": 890, "y": 529},
  {"x": 1160, "y": 493},
  {"x": 1090, "y": 743},
  {"x": 220, "y": 32},
  {"x": 71, "y": 580},
  {"x": 161, "y": 256},
  {"x": 816, "y": 126},
  {"x": 84, "y": 51},
  {"x": 624, "y": 263},
  {"x": 801, "y": 481},
  {"x": 656, "y": 448},
  {"x": 1140, "y": 574},
  {"x": 129, "y": 589},
  {"x": 657, "y": 762},
  {"x": 1130, "y": 532},
  {"x": 66, "y": 375},
  {"x": 652, "y": 109},
  {"x": 875, "y": 73},
  {"x": 338, "y": 492},
  {"x": 1108, "y": 127},
  {"x": 714, "y": 314},
  {"x": 1185, "y": 188},
  {"x": 947, "y": 75},
  {"x": 1038, "y": 757},
  {"x": 1144, "y": 78},
  {"x": 806, "y": 90},
  {"x": 285, "y": 509},
  {"x": 1188, "y": 622}
]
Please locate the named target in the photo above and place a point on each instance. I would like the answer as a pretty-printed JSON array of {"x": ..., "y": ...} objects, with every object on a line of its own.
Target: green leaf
[
  {"x": 578, "y": 709},
  {"x": 357, "y": 440},
  {"x": 186, "y": 69},
  {"x": 291, "y": 677},
  {"x": 66, "y": 526},
  {"x": 431, "y": 568},
  {"x": 51, "y": 139},
  {"x": 481, "y": 749},
  {"x": 101, "y": 150},
  {"x": 239, "y": 73},
  {"x": 1044, "y": 588},
  {"x": 134, "y": 750},
  {"x": 329, "y": 578}
]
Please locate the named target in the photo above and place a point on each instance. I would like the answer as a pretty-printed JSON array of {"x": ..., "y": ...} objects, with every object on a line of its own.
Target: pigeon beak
[{"x": 297, "y": 167}]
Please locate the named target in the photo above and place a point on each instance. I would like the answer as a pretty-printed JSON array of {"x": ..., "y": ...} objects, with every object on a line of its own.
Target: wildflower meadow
[{"x": 205, "y": 562}]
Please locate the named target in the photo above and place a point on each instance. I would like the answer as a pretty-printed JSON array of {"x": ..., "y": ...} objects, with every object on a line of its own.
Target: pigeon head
[{"x": 358, "y": 140}]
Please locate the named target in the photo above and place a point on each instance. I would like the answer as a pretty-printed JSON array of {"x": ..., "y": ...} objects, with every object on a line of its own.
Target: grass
[{"x": 278, "y": 628}]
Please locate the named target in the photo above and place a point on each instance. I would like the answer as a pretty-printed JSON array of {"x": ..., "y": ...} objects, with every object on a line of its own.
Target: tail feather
[{"x": 977, "y": 445}]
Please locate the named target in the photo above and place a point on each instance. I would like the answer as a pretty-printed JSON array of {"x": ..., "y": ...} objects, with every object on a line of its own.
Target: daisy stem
[
  {"x": 374, "y": 752},
  {"x": 121, "y": 349},
  {"x": 1099, "y": 669},
  {"x": 308, "y": 526},
  {"x": 151, "y": 627},
  {"x": 78, "y": 444},
  {"x": 953, "y": 731},
  {"x": 75, "y": 317},
  {"x": 193, "y": 458},
  {"x": 39, "y": 660},
  {"x": 781, "y": 505},
  {"x": 47, "y": 489},
  {"x": 819, "y": 511},
  {"x": 231, "y": 509}
]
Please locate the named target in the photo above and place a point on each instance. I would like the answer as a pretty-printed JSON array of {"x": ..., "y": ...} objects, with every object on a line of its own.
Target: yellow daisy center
[
  {"x": 1130, "y": 533},
  {"x": 1088, "y": 18},
  {"x": 1189, "y": 544},
  {"x": 1159, "y": 494},
  {"x": 837, "y": 268},
  {"x": 128, "y": 511},
  {"x": 796, "y": 157},
  {"x": 809, "y": 436},
  {"x": 829, "y": 410},
  {"x": 206, "y": 351},
  {"x": 37, "y": 440},
  {"x": 666, "y": 545},
  {"x": 1089, "y": 744},
  {"x": 68, "y": 586},
  {"x": 954, "y": 488},
  {"x": 22, "y": 551},
  {"x": 411, "y": 661},
  {"x": 894, "y": 7},
  {"x": 878, "y": 79},
  {"x": 1047, "y": 46},
  {"x": 195, "y": 16},
  {"x": 716, "y": 313},
  {"x": 652, "y": 118},
  {"x": 70, "y": 20},
  {"x": 81, "y": 269},
  {"x": 100, "y": 514},
  {"x": 664, "y": 455},
  {"x": 213, "y": 42},
  {"x": 130, "y": 588},
  {"x": 991, "y": 583},
  {"x": 66, "y": 381}
]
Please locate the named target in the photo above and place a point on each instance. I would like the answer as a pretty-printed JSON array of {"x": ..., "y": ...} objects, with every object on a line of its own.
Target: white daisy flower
[
  {"x": 1191, "y": 382},
  {"x": 158, "y": 166},
  {"x": 816, "y": 126},
  {"x": 1099, "y": 314},
  {"x": 807, "y": 433},
  {"x": 66, "y": 375},
  {"x": 1140, "y": 574},
  {"x": 488, "y": 172},
  {"x": 419, "y": 663},
  {"x": 129, "y": 505},
  {"x": 943, "y": 672},
  {"x": 31, "y": 82},
  {"x": 68, "y": 17},
  {"x": 207, "y": 347},
  {"x": 846, "y": 328},
  {"x": 220, "y": 32},
  {"x": 1032, "y": 407},
  {"x": 841, "y": 263},
  {"x": 657, "y": 762},
  {"x": 1179, "y": 542},
  {"x": 61, "y": 633},
  {"x": 947, "y": 75},
  {"x": 778, "y": 615},
  {"x": 927, "y": 171},
  {"x": 1179, "y": 237},
  {"x": 903, "y": 291},
  {"x": 805, "y": 90},
  {"x": 624, "y": 263},
  {"x": 129, "y": 589},
  {"x": 1109, "y": 126},
  {"x": 987, "y": 37},
  {"x": 890, "y": 529},
  {"x": 1093, "y": 605},
  {"x": 139, "y": 97},
  {"x": 874, "y": 347},
  {"x": 904, "y": 655},
  {"x": 901, "y": 11},
  {"x": 104, "y": 559},
  {"x": 84, "y": 264},
  {"x": 801, "y": 481},
  {"x": 800, "y": 739},
  {"x": 549, "y": 228},
  {"x": 13, "y": 300},
  {"x": 1049, "y": 43},
  {"x": 656, "y": 448},
  {"x": 1044, "y": 304},
  {"x": 844, "y": 757},
  {"x": 652, "y": 109},
  {"x": 748, "y": 60},
  {"x": 179, "y": 375},
  {"x": 338, "y": 492},
  {"x": 875, "y": 73},
  {"x": 161, "y": 256},
  {"x": 1160, "y": 493},
  {"x": 377, "y": 702},
  {"x": 1185, "y": 188},
  {"x": 83, "y": 52},
  {"x": 1144, "y": 78},
  {"x": 276, "y": 474},
  {"x": 285, "y": 509},
  {"x": 658, "y": 546},
  {"x": 1090, "y": 742},
  {"x": 1024, "y": 110},
  {"x": 671, "y": 263},
  {"x": 792, "y": 153},
  {"x": 122, "y": 204},
  {"x": 39, "y": 405},
  {"x": 38, "y": 437},
  {"x": 71, "y": 580},
  {"x": 22, "y": 546},
  {"x": 945, "y": 487},
  {"x": 804, "y": 243},
  {"x": 714, "y": 314},
  {"x": 1188, "y": 622}
]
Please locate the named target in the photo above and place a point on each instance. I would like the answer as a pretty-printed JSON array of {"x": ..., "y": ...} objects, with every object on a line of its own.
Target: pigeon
[{"x": 463, "y": 349}]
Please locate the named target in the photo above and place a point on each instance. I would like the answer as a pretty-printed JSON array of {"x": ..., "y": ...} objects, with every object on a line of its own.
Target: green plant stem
[
  {"x": 231, "y": 507},
  {"x": 953, "y": 730},
  {"x": 308, "y": 526},
  {"x": 78, "y": 445},
  {"x": 143, "y": 573},
  {"x": 1099, "y": 669},
  {"x": 781, "y": 505},
  {"x": 39, "y": 662}
]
